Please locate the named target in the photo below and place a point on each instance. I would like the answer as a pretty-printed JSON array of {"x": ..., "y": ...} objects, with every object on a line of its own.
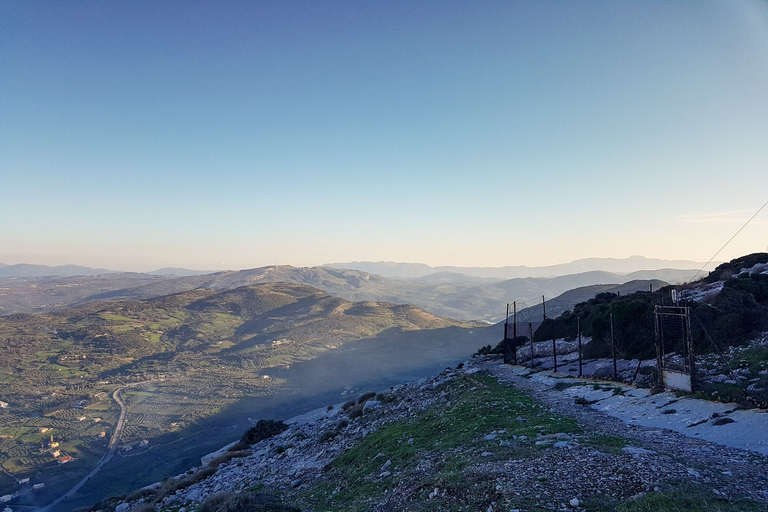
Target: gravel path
[{"x": 728, "y": 471}]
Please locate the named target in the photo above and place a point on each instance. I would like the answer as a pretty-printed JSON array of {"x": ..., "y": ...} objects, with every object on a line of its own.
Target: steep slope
[{"x": 193, "y": 362}]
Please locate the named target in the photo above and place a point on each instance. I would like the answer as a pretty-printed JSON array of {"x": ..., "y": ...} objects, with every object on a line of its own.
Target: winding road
[{"x": 111, "y": 448}]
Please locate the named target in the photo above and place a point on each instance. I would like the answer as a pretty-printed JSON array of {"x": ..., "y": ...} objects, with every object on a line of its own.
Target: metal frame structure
[{"x": 675, "y": 376}]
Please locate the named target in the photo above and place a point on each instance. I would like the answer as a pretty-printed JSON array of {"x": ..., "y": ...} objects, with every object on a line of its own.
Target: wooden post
[
  {"x": 659, "y": 349},
  {"x": 613, "y": 351},
  {"x": 578, "y": 327},
  {"x": 691, "y": 353},
  {"x": 530, "y": 332},
  {"x": 514, "y": 329},
  {"x": 505, "y": 341},
  {"x": 506, "y": 322}
]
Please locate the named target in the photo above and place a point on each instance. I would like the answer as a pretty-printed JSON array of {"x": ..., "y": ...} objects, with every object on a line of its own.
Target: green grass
[
  {"x": 459, "y": 429},
  {"x": 606, "y": 443},
  {"x": 682, "y": 498}
]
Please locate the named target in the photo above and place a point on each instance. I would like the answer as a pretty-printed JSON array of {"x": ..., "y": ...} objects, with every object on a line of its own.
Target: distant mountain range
[
  {"x": 28, "y": 270},
  {"x": 445, "y": 294},
  {"x": 614, "y": 265}
]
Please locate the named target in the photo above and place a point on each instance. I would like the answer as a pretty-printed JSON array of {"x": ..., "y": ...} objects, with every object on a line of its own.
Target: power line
[{"x": 729, "y": 241}]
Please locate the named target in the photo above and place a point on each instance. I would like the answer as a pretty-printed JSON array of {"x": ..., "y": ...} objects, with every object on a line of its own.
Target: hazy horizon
[
  {"x": 328, "y": 263},
  {"x": 144, "y": 135}
]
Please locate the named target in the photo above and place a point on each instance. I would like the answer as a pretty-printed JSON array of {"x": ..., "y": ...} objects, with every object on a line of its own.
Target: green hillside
[{"x": 196, "y": 354}]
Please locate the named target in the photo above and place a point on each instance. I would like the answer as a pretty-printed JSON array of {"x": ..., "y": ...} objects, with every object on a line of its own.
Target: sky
[{"x": 228, "y": 135}]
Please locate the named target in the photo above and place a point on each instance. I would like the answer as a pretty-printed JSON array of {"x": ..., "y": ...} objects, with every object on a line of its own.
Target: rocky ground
[{"x": 479, "y": 437}]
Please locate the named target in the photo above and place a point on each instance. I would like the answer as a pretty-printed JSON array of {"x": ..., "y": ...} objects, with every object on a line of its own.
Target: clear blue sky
[{"x": 136, "y": 135}]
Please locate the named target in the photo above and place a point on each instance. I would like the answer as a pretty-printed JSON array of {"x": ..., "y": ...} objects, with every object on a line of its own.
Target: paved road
[{"x": 111, "y": 449}]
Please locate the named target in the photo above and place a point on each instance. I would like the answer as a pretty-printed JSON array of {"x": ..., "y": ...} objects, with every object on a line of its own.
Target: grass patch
[
  {"x": 685, "y": 498},
  {"x": 607, "y": 444},
  {"x": 453, "y": 437}
]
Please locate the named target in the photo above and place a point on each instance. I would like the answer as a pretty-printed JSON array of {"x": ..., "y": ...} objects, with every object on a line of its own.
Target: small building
[
  {"x": 37, "y": 487},
  {"x": 56, "y": 453},
  {"x": 43, "y": 430},
  {"x": 24, "y": 481},
  {"x": 66, "y": 459},
  {"x": 3, "y": 405},
  {"x": 81, "y": 418},
  {"x": 102, "y": 434},
  {"x": 6, "y": 498}
]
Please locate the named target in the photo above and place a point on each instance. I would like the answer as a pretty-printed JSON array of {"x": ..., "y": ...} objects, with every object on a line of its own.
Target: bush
[
  {"x": 264, "y": 429},
  {"x": 144, "y": 507},
  {"x": 244, "y": 502},
  {"x": 327, "y": 435},
  {"x": 365, "y": 397},
  {"x": 347, "y": 405},
  {"x": 172, "y": 485},
  {"x": 140, "y": 493},
  {"x": 226, "y": 457},
  {"x": 355, "y": 411}
]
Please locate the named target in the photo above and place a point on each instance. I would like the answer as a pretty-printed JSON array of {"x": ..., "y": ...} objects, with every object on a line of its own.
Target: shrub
[
  {"x": 347, "y": 405},
  {"x": 226, "y": 457},
  {"x": 171, "y": 485},
  {"x": 356, "y": 411},
  {"x": 140, "y": 493},
  {"x": 327, "y": 435},
  {"x": 365, "y": 397},
  {"x": 244, "y": 502},
  {"x": 144, "y": 507},
  {"x": 264, "y": 429}
]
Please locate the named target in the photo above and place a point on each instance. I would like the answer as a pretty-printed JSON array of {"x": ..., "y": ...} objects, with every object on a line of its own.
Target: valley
[{"x": 193, "y": 365}]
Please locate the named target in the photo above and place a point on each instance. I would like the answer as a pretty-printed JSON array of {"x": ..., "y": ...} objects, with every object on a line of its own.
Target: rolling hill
[
  {"x": 192, "y": 364},
  {"x": 445, "y": 294}
]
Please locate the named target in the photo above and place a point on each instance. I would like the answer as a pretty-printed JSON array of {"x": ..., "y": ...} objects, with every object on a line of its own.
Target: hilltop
[
  {"x": 445, "y": 294},
  {"x": 195, "y": 360}
]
